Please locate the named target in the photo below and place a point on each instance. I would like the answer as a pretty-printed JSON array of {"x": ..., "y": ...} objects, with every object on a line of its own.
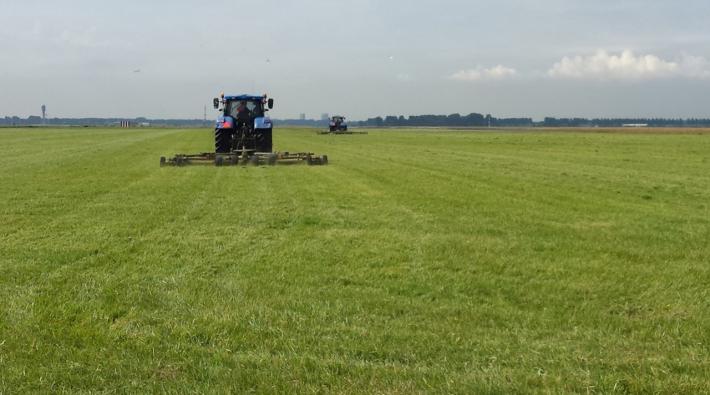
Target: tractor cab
[{"x": 235, "y": 106}]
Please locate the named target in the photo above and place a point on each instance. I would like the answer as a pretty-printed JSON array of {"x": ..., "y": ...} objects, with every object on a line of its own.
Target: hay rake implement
[{"x": 245, "y": 158}]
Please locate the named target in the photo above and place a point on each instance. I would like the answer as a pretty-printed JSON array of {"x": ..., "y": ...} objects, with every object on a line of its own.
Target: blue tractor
[
  {"x": 243, "y": 124},
  {"x": 338, "y": 124}
]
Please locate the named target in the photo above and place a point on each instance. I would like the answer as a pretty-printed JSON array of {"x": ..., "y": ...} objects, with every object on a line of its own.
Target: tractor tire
[
  {"x": 269, "y": 141},
  {"x": 253, "y": 160},
  {"x": 324, "y": 160},
  {"x": 234, "y": 160},
  {"x": 263, "y": 141},
  {"x": 222, "y": 141},
  {"x": 162, "y": 161},
  {"x": 219, "y": 161},
  {"x": 271, "y": 160}
]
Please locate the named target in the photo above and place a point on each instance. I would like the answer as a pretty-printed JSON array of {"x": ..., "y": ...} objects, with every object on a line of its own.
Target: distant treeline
[
  {"x": 453, "y": 120},
  {"x": 479, "y": 120}
]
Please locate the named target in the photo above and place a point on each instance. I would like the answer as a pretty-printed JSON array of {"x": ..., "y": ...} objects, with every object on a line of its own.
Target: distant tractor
[
  {"x": 338, "y": 124},
  {"x": 243, "y": 136}
]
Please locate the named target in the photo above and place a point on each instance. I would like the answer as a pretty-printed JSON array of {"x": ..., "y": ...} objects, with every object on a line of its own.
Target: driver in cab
[{"x": 243, "y": 114}]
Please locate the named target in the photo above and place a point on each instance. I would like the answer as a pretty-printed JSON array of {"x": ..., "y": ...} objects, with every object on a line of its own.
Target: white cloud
[
  {"x": 494, "y": 73},
  {"x": 627, "y": 65},
  {"x": 695, "y": 67}
]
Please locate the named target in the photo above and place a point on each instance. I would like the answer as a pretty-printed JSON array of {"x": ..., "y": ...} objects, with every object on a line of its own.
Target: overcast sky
[{"x": 361, "y": 58}]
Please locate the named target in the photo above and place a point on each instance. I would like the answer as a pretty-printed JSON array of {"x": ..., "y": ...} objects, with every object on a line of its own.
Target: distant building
[
  {"x": 302, "y": 117},
  {"x": 635, "y": 125}
]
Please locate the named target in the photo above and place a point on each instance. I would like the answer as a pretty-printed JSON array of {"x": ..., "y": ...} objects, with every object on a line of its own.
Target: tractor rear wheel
[
  {"x": 221, "y": 141},
  {"x": 263, "y": 140},
  {"x": 268, "y": 142}
]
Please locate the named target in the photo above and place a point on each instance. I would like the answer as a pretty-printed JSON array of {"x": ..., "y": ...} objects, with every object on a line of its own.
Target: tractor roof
[{"x": 244, "y": 97}]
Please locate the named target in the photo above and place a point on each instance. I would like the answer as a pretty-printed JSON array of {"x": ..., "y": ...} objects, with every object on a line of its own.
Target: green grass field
[{"x": 416, "y": 262}]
